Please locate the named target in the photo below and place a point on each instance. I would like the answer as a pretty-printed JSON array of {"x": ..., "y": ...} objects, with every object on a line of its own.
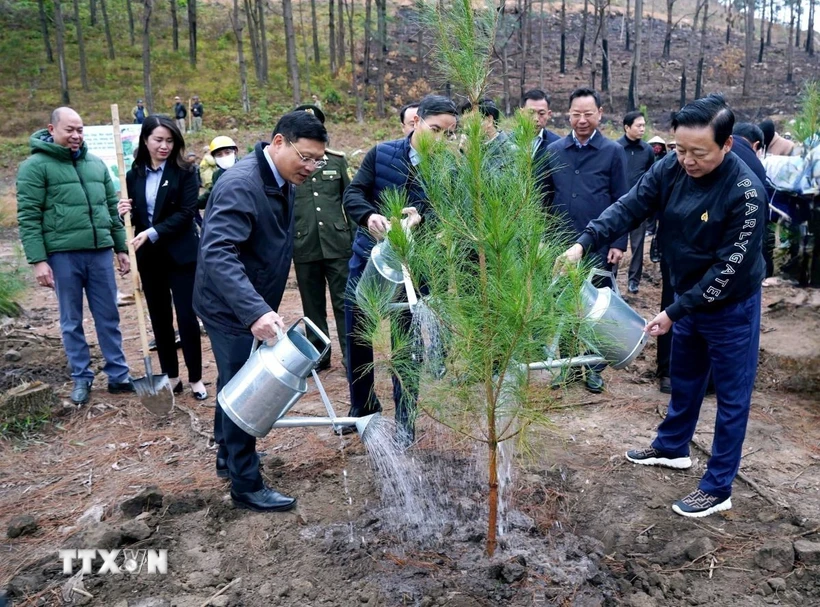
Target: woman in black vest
[{"x": 164, "y": 193}]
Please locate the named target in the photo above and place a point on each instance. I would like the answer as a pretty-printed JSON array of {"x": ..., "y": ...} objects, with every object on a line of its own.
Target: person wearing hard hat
[
  {"x": 223, "y": 150},
  {"x": 658, "y": 146}
]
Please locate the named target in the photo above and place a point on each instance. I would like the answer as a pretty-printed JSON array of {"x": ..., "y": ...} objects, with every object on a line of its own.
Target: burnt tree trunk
[
  {"x": 628, "y": 40},
  {"x": 633, "y": 98},
  {"x": 130, "y": 11},
  {"x": 381, "y": 17},
  {"x": 771, "y": 22},
  {"x": 580, "y": 63},
  {"x": 750, "y": 47},
  {"x": 667, "y": 37},
  {"x": 701, "y": 51},
  {"x": 562, "y": 62},
  {"x": 790, "y": 46},
  {"x": 541, "y": 47},
  {"x": 762, "y": 33},
  {"x": 605, "y": 48},
  {"x": 59, "y": 27},
  {"x": 810, "y": 29}
]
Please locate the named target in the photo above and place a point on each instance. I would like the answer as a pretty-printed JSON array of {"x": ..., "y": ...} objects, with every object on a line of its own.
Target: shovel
[{"x": 154, "y": 391}]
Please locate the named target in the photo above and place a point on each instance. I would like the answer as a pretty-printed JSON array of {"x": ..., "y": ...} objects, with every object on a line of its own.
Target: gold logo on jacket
[{"x": 705, "y": 216}]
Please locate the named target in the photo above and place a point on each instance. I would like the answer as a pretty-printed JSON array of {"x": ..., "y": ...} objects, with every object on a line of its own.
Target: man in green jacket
[
  {"x": 67, "y": 213},
  {"x": 322, "y": 242}
]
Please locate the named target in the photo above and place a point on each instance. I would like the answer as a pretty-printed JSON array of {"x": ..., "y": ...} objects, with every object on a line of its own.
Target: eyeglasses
[
  {"x": 317, "y": 164},
  {"x": 578, "y": 115}
]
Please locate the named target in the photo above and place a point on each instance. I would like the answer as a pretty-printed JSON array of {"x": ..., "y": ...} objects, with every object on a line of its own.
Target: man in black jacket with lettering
[
  {"x": 712, "y": 224},
  {"x": 244, "y": 259}
]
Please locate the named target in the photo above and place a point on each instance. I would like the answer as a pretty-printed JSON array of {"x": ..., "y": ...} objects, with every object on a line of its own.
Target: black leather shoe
[
  {"x": 178, "y": 388},
  {"x": 323, "y": 365},
  {"x": 594, "y": 382},
  {"x": 665, "y": 385},
  {"x": 633, "y": 286},
  {"x": 81, "y": 392},
  {"x": 125, "y": 387},
  {"x": 264, "y": 500}
]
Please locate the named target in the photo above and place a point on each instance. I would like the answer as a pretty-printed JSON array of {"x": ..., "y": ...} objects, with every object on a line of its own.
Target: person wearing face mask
[
  {"x": 223, "y": 150},
  {"x": 389, "y": 165},
  {"x": 713, "y": 223},
  {"x": 163, "y": 189}
]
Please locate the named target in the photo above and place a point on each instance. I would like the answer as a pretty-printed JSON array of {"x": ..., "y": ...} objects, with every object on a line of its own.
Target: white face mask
[{"x": 226, "y": 162}]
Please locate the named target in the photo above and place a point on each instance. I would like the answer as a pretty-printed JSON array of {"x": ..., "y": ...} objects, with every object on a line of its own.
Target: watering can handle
[
  {"x": 318, "y": 333},
  {"x": 257, "y": 342},
  {"x": 605, "y": 274}
]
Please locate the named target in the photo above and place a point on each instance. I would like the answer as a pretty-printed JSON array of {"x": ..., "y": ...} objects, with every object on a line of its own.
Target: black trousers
[
  {"x": 231, "y": 351},
  {"x": 636, "y": 238},
  {"x": 665, "y": 341},
  {"x": 161, "y": 279},
  {"x": 312, "y": 277}
]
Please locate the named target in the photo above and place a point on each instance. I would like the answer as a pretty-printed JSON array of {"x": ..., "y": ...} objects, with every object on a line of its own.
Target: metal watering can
[
  {"x": 274, "y": 378},
  {"x": 618, "y": 329},
  {"x": 383, "y": 274}
]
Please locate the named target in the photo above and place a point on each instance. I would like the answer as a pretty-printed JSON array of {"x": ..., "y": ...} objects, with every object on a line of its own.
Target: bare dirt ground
[{"x": 585, "y": 528}]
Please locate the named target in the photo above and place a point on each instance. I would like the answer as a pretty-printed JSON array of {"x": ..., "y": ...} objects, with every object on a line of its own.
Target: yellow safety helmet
[{"x": 221, "y": 142}]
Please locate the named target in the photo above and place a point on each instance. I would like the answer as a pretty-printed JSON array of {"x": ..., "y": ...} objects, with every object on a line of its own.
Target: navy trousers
[
  {"x": 231, "y": 351},
  {"x": 363, "y": 400},
  {"x": 91, "y": 272},
  {"x": 727, "y": 342}
]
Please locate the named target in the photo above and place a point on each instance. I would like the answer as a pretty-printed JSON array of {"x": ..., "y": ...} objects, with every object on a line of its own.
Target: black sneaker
[
  {"x": 653, "y": 457},
  {"x": 699, "y": 503}
]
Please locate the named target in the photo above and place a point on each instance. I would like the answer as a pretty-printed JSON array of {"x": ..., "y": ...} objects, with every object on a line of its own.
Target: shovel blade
[{"x": 155, "y": 393}]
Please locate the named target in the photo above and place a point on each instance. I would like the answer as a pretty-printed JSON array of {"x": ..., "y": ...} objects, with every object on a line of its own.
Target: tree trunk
[
  {"x": 492, "y": 519},
  {"x": 331, "y": 27},
  {"x": 146, "y": 55},
  {"x": 771, "y": 22},
  {"x": 790, "y": 46},
  {"x": 605, "y": 47},
  {"x": 541, "y": 47},
  {"x": 80, "y": 46},
  {"x": 633, "y": 99},
  {"x": 810, "y": 30},
  {"x": 750, "y": 47},
  {"x": 290, "y": 48},
  {"x": 667, "y": 37},
  {"x": 797, "y": 26},
  {"x": 580, "y": 63},
  {"x": 420, "y": 51},
  {"x": 303, "y": 31},
  {"x": 106, "y": 25},
  {"x": 192, "y": 32},
  {"x": 59, "y": 26},
  {"x": 505, "y": 62},
  {"x": 314, "y": 22},
  {"x": 340, "y": 51},
  {"x": 41, "y": 7},
  {"x": 381, "y": 16},
  {"x": 368, "y": 45},
  {"x": 729, "y": 21},
  {"x": 240, "y": 54},
  {"x": 92, "y": 9},
  {"x": 174, "y": 24},
  {"x": 250, "y": 15},
  {"x": 130, "y": 10},
  {"x": 522, "y": 46},
  {"x": 626, "y": 27},
  {"x": 263, "y": 38},
  {"x": 563, "y": 54},
  {"x": 348, "y": 4},
  {"x": 683, "y": 84},
  {"x": 701, "y": 51},
  {"x": 762, "y": 32}
]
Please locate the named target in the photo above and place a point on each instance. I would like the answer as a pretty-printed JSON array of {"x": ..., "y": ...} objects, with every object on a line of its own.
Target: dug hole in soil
[{"x": 583, "y": 526}]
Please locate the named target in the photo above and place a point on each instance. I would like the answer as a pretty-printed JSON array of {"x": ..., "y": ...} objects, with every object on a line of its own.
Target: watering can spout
[{"x": 367, "y": 422}]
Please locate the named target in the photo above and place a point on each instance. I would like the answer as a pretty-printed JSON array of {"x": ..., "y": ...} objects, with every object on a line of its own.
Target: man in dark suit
[
  {"x": 639, "y": 159},
  {"x": 586, "y": 174},
  {"x": 244, "y": 260}
]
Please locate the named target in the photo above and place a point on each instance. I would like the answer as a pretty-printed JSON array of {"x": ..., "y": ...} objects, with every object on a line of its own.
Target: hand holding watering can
[{"x": 660, "y": 325}]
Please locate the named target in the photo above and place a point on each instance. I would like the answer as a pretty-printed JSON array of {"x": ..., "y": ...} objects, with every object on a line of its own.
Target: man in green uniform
[{"x": 322, "y": 242}]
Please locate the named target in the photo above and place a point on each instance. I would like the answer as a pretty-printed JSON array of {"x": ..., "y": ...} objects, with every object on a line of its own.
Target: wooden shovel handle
[{"x": 129, "y": 232}]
